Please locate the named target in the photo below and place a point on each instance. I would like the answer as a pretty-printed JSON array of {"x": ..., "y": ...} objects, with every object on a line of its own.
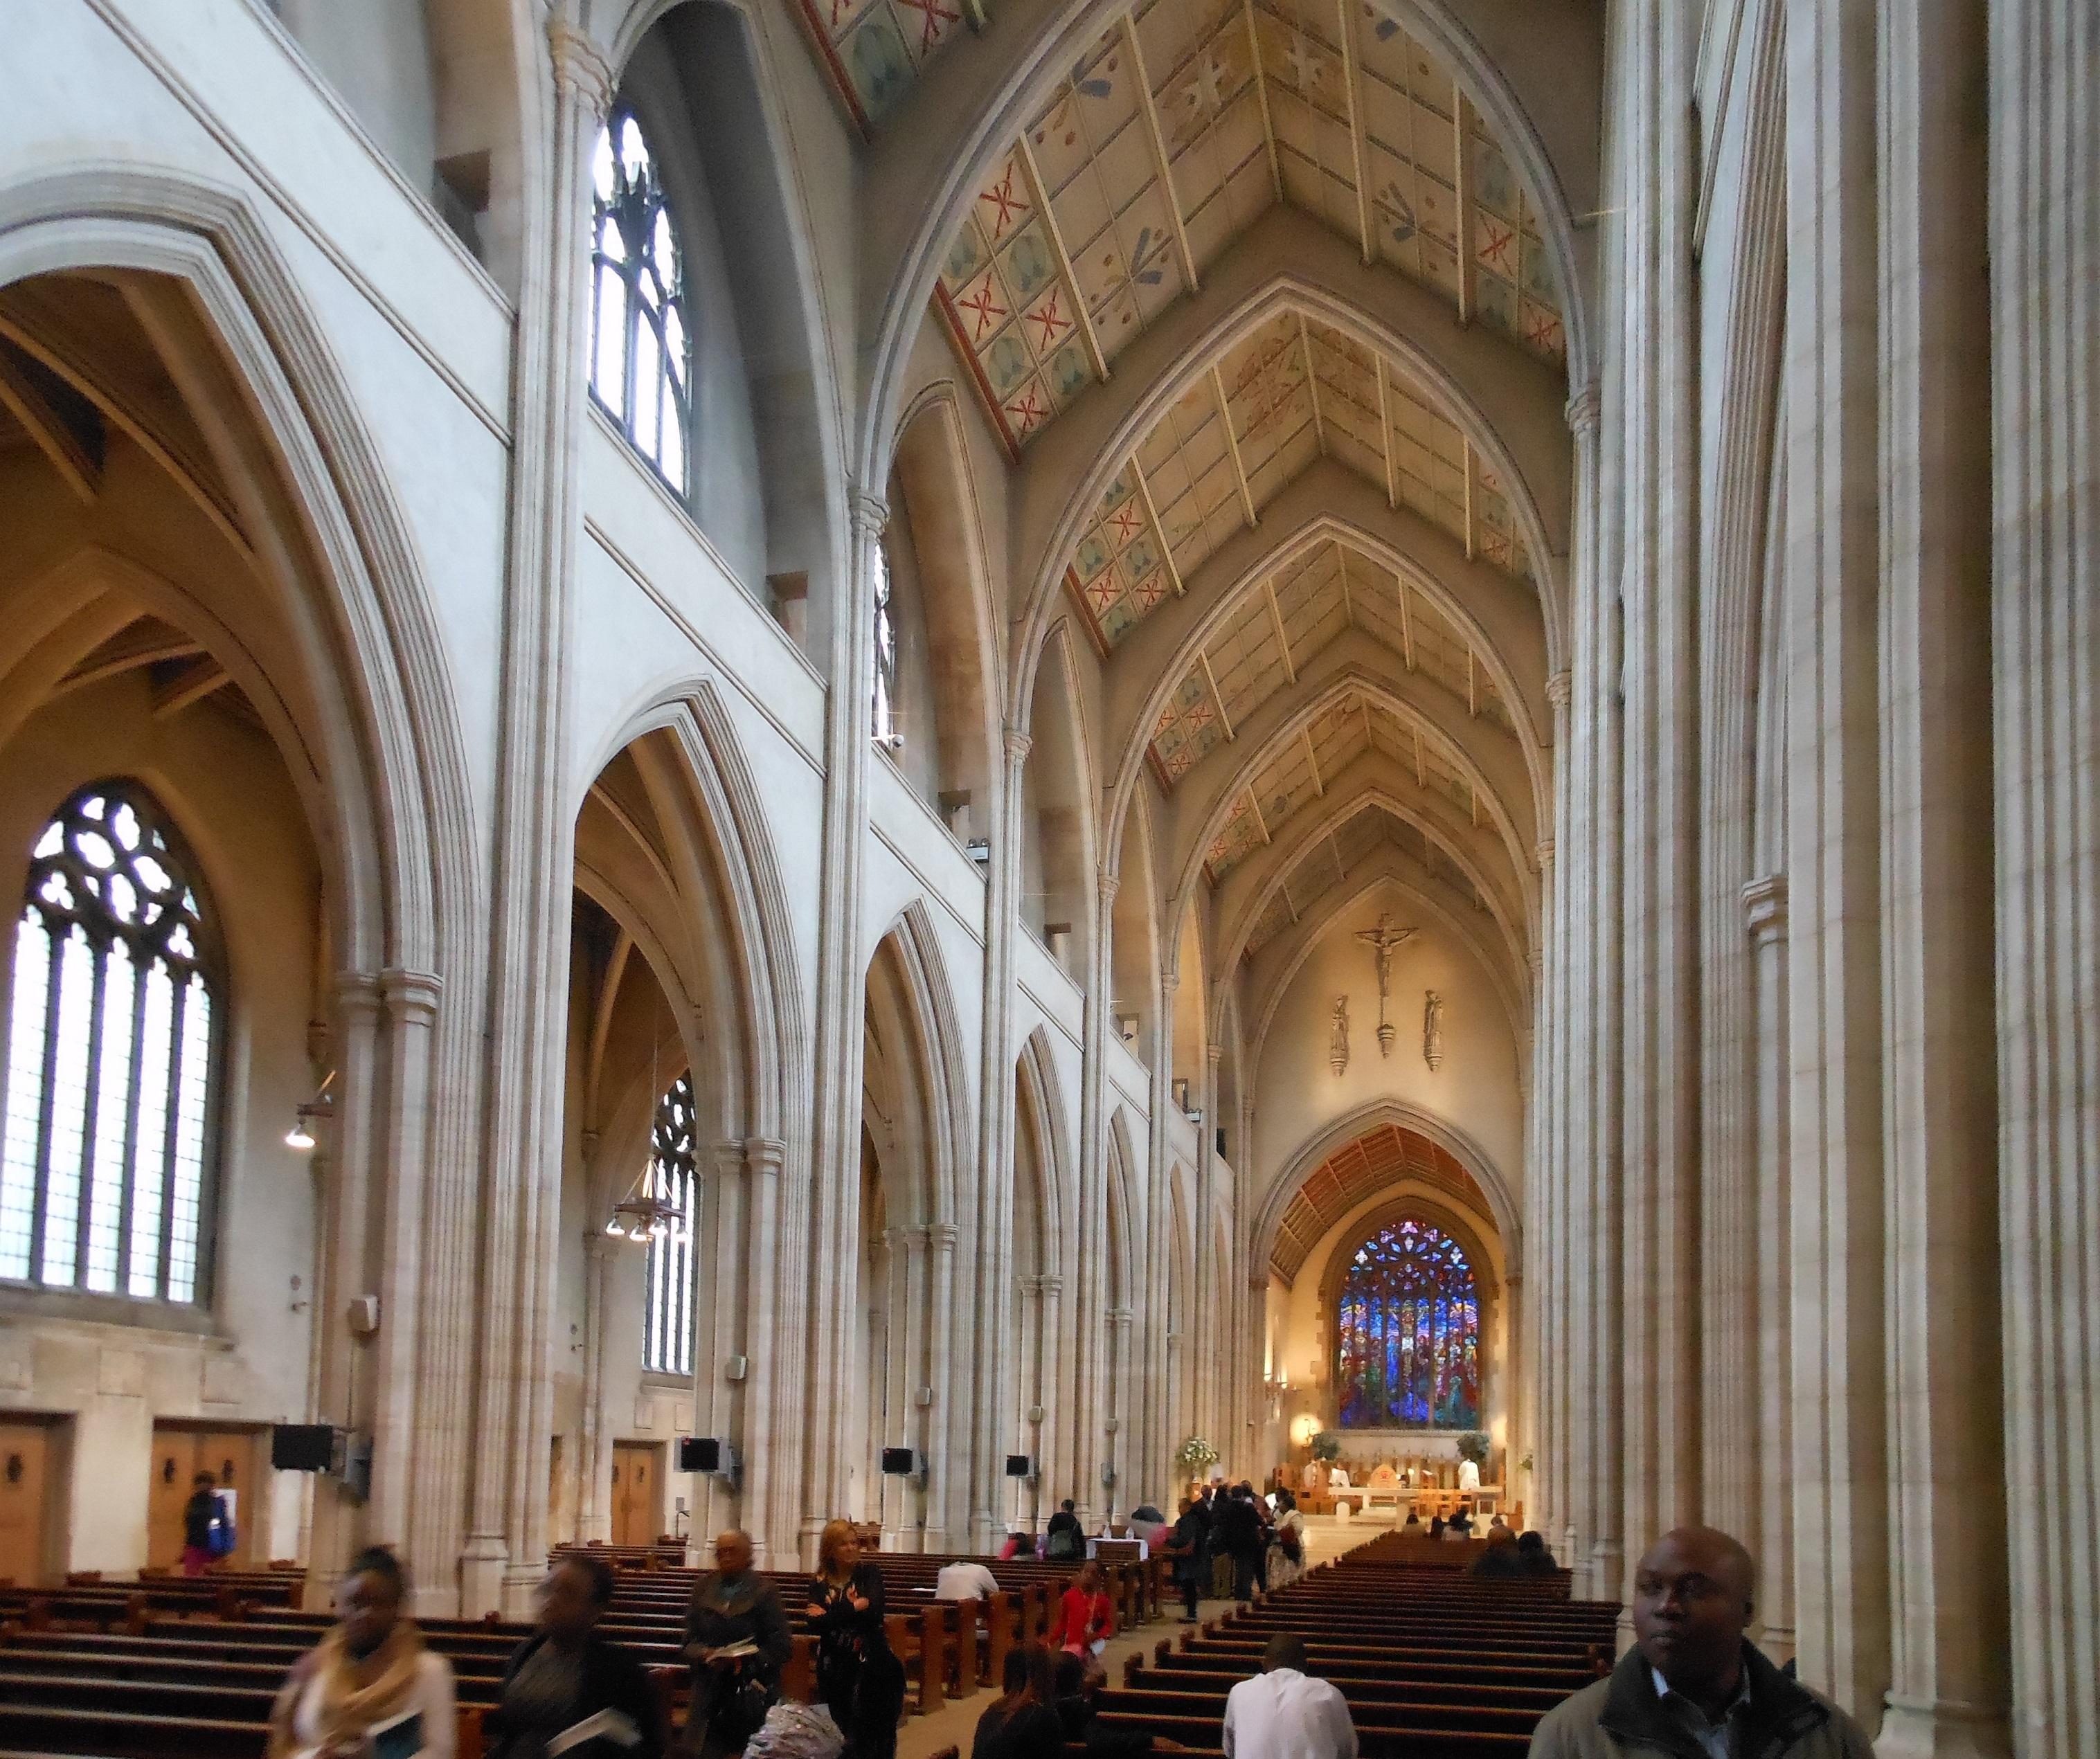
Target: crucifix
[{"x": 1382, "y": 940}]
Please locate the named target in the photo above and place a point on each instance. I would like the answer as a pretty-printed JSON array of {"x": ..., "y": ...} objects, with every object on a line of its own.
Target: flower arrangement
[
  {"x": 1474, "y": 1446},
  {"x": 1195, "y": 1455},
  {"x": 1326, "y": 1445}
]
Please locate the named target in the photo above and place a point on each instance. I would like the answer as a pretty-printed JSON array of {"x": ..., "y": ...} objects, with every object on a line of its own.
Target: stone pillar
[
  {"x": 992, "y": 1288},
  {"x": 1950, "y": 1689},
  {"x": 344, "y": 1392},
  {"x": 1834, "y": 978},
  {"x": 2044, "y": 65},
  {"x": 1211, "y": 1276},
  {"x": 533, "y": 870},
  {"x": 1160, "y": 1416},
  {"x": 841, "y": 1035},
  {"x": 946, "y": 1510},
  {"x": 1094, "y": 1229},
  {"x": 1764, "y": 907},
  {"x": 593, "y": 1509},
  {"x": 1549, "y": 1232},
  {"x": 888, "y": 1425},
  {"x": 1125, "y": 1494},
  {"x": 1656, "y": 515}
]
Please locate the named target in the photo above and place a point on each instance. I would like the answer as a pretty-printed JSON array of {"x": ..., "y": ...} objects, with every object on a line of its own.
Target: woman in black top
[
  {"x": 565, "y": 1672},
  {"x": 1023, "y": 1724},
  {"x": 857, "y": 1678}
]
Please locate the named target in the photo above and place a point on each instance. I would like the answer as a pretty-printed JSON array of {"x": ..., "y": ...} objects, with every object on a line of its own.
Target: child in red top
[{"x": 1085, "y": 1619}]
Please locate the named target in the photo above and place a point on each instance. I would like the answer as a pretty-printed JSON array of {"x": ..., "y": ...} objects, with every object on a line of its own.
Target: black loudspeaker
[
  {"x": 899, "y": 1462},
  {"x": 302, "y": 1447},
  {"x": 1016, "y": 1465},
  {"x": 699, "y": 1453}
]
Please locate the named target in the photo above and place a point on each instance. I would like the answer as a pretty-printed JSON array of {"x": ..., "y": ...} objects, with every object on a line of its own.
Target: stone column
[
  {"x": 344, "y": 1393},
  {"x": 887, "y": 1424},
  {"x": 1950, "y": 1689},
  {"x": 1211, "y": 1276},
  {"x": 1655, "y": 516},
  {"x": 2044, "y": 64},
  {"x": 947, "y": 1507},
  {"x": 992, "y": 1284},
  {"x": 1094, "y": 1229},
  {"x": 533, "y": 870},
  {"x": 1549, "y": 1236},
  {"x": 593, "y": 1512},
  {"x": 1159, "y": 1416},
  {"x": 1834, "y": 979},
  {"x": 1764, "y": 907},
  {"x": 841, "y": 1035},
  {"x": 1126, "y": 1493}
]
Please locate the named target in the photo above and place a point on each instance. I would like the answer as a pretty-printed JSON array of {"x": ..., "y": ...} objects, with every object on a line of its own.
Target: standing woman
[
  {"x": 1085, "y": 1619},
  {"x": 1288, "y": 1562},
  {"x": 565, "y": 1672},
  {"x": 858, "y": 1677},
  {"x": 371, "y": 1672}
]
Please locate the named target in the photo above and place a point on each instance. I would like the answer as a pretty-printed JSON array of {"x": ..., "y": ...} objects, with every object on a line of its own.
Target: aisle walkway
[{"x": 957, "y": 1720}]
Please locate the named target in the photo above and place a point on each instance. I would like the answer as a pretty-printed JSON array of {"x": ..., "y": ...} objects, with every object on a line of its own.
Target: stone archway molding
[{"x": 1343, "y": 1130}]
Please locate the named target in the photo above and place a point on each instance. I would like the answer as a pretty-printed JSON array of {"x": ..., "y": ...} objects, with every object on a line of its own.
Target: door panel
[
  {"x": 634, "y": 1492},
  {"x": 175, "y": 1465},
  {"x": 25, "y": 1457}
]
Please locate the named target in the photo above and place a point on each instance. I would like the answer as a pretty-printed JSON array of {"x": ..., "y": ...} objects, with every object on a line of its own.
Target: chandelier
[{"x": 648, "y": 1212}]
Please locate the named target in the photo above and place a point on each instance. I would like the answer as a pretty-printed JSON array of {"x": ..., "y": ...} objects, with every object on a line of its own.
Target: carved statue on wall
[
  {"x": 1432, "y": 1030},
  {"x": 1382, "y": 940},
  {"x": 1338, "y": 1035}
]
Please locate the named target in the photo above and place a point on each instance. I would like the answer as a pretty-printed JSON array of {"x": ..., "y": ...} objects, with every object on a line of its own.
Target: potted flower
[
  {"x": 1326, "y": 1446},
  {"x": 1195, "y": 1456}
]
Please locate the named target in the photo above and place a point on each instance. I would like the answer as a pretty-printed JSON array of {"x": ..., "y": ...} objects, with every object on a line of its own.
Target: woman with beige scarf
[{"x": 370, "y": 1690}]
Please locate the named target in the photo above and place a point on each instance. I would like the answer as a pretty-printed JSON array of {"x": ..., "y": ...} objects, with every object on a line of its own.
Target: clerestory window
[{"x": 640, "y": 356}]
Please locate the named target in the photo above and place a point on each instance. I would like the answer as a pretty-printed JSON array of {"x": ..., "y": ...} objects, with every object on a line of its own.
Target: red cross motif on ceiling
[
  {"x": 1026, "y": 411},
  {"x": 1498, "y": 247},
  {"x": 1542, "y": 330},
  {"x": 1217, "y": 852},
  {"x": 1237, "y": 812},
  {"x": 1177, "y": 766},
  {"x": 937, "y": 19},
  {"x": 1125, "y": 524},
  {"x": 1150, "y": 590},
  {"x": 981, "y": 302},
  {"x": 1199, "y": 717},
  {"x": 1007, "y": 201},
  {"x": 1050, "y": 325},
  {"x": 1165, "y": 722},
  {"x": 1102, "y": 593}
]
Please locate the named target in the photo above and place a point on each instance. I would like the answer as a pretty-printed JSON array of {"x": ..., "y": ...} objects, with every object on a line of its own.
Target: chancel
[{"x": 713, "y": 711}]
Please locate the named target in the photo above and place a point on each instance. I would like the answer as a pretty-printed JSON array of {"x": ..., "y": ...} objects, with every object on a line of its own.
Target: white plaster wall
[
  {"x": 1296, "y": 1094},
  {"x": 246, "y": 1362}
]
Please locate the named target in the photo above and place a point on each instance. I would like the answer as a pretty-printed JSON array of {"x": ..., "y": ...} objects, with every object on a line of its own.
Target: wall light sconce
[{"x": 318, "y": 1108}]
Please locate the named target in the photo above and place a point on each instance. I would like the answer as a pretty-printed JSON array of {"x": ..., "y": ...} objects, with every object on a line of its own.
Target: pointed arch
[{"x": 922, "y": 1001}]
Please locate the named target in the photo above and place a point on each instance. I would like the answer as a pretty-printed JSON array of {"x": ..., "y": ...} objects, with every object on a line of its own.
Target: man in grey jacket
[{"x": 1693, "y": 1686}]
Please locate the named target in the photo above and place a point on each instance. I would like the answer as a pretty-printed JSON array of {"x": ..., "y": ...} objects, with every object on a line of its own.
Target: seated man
[
  {"x": 1692, "y": 1681},
  {"x": 965, "y": 1579},
  {"x": 1283, "y": 1712}
]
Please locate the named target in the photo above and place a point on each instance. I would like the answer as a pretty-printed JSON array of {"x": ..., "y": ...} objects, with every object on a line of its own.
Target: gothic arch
[
  {"x": 1341, "y": 1132},
  {"x": 925, "y": 1003}
]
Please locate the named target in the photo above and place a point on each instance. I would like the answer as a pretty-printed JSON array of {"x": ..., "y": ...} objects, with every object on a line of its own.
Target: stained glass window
[
  {"x": 666, "y": 1326},
  {"x": 884, "y": 680},
  {"x": 1408, "y": 1333},
  {"x": 640, "y": 352},
  {"x": 112, "y": 1072}
]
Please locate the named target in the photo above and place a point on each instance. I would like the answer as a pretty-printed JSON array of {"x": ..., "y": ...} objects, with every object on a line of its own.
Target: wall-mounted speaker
[
  {"x": 736, "y": 1368},
  {"x": 1018, "y": 1466},
  {"x": 699, "y": 1453},
  {"x": 900, "y": 1462},
  {"x": 302, "y": 1447}
]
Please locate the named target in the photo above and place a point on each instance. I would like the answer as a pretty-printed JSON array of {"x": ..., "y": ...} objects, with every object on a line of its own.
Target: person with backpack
[
  {"x": 1062, "y": 1541},
  {"x": 208, "y": 1534}
]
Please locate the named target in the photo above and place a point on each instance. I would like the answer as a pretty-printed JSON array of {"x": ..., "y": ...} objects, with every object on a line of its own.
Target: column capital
[
  {"x": 580, "y": 68},
  {"x": 1764, "y": 908},
  {"x": 411, "y": 994},
  {"x": 1545, "y": 852},
  {"x": 1585, "y": 409},
  {"x": 1215, "y": 1053},
  {"x": 1018, "y": 745},
  {"x": 1106, "y": 884},
  {"x": 1169, "y": 982},
  {"x": 357, "y": 995},
  {"x": 942, "y": 1235},
  {"x": 1559, "y": 687},
  {"x": 1050, "y": 1283},
  {"x": 765, "y": 1154},
  {"x": 728, "y": 1157},
  {"x": 1121, "y": 1315},
  {"x": 869, "y": 514}
]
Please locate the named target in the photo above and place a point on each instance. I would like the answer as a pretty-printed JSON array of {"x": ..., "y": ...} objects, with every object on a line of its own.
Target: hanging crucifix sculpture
[{"x": 1382, "y": 940}]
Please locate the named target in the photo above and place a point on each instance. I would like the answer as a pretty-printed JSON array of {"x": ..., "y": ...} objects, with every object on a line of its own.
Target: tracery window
[
  {"x": 1407, "y": 1333},
  {"x": 884, "y": 680},
  {"x": 641, "y": 350},
  {"x": 112, "y": 1069},
  {"x": 666, "y": 1328}
]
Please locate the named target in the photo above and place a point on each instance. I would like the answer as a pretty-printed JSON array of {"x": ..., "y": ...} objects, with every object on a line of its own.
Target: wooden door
[
  {"x": 175, "y": 1465},
  {"x": 634, "y": 1492},
  {"x": 24, "y": 1457}
]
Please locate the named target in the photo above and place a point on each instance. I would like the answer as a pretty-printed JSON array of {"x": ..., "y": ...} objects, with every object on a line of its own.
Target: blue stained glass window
[{"x": 1408, "y": 1333}]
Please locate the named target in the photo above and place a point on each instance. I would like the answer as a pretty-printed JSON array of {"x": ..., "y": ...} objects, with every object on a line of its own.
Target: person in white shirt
[
  {"x": 965, "y": 1579},
  {"x": 1337, "y": 1477},
  {"x": 1469, "y": 1475},
  {"x": 1283, "y": 1712}
]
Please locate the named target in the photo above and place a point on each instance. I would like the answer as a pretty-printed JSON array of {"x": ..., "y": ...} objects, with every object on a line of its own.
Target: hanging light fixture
[
  {"x": 301, "y": 1135},
  {"x": 645, "y": 1214}
]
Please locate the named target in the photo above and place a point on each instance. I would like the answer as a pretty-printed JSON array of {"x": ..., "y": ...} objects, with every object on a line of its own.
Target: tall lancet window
[
  {"x": 640, "y": 352},
  {"x": 884, "y": 680},
  {"x": 667, "y": 1322},
  {"x": 112, "y": 1072},
  {"x": 1408, "y": 1333}
]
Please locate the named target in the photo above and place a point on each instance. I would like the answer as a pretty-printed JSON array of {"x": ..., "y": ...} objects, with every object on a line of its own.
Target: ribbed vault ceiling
[
  {"x": 1380, "y": 1157},
  {"x": 1178, "y": 127}
]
